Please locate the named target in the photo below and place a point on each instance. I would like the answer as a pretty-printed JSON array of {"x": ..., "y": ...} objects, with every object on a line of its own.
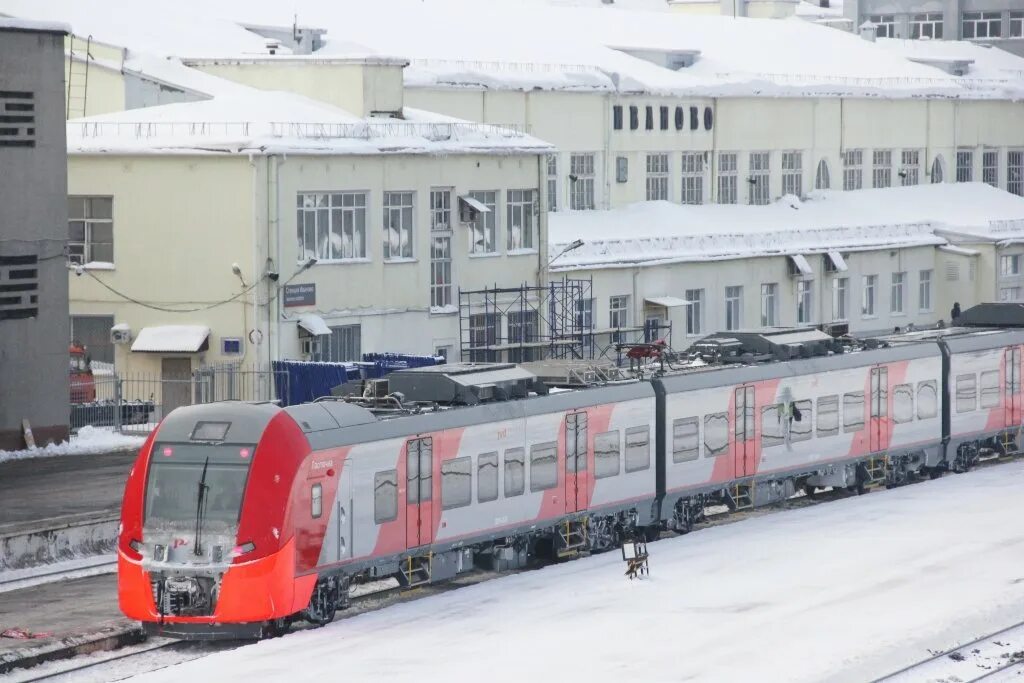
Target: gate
[
  {"x": 576, "y": 488},
  {"x": 745, "y": 445},
  {"x": 419, "y": 474},
  {"x": 879, "y": 425}
]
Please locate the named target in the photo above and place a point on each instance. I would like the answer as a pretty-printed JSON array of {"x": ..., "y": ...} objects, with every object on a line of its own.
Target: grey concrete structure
[
  {"x": 999, "y": 23},
  {"x": 33, "y": 233}
]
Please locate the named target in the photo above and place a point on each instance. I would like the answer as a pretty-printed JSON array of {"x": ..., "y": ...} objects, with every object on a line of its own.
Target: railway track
[
  {"x": 982, "y": 659},
  {"x": 372, "y": 597}
]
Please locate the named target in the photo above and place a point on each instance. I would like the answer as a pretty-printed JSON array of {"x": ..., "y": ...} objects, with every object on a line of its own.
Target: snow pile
[
  {"x": 844, "y": 591},
  {"x": 88, "y": 441},
  {"x": 653, "y": 232}
]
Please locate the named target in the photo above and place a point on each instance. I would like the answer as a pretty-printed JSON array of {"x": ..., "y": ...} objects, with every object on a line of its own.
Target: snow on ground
[
  {"x": 844, "y": 591},
  {"x": 860, "y": 219},
  {"x": 87, "y": 441}
]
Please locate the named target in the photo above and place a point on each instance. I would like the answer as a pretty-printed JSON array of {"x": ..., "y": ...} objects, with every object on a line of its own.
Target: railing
[
  {"x": 869, "y": 81},
  {"x": 363, "y": 130},
  {"x": 506, "y": 66}
]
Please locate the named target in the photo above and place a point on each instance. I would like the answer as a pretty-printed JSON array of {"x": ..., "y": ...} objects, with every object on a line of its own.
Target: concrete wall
[{"x": 34, "y": 223}]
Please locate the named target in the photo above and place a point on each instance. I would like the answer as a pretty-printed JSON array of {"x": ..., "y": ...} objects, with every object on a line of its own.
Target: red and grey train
[{"x": 239, "y": 517}]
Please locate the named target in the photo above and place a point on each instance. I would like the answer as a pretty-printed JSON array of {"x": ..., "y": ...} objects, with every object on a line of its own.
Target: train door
[
  {"x": 745, "y": 443},
  {"x": 419, "y": 474},
  {"x": 878, "y": 423},
  {"x": 1011, "y": 388},
  {"x": 576, "y": 462}
]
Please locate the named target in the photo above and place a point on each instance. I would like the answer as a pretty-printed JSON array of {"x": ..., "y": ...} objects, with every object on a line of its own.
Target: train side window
[
  {"x": 456, "y": 482},
  {"x": 772, "y": 433},
  {"x": 853, "y": 411},
  {"x": 515, "y": 472},
  {"x": 828, "y": 415},
  {"x": 487, "y": 477},
  {"x": 316, "y": 501},
  {"x": 385, "y": 496},
  {"x": 927, "y": 399},
  {"x": 801, "y": 427},
  {"x": 543, "y": 466},
  {"x": 990, "y": 389},
  {"x": 966, "y": 393},
  {"x": 638, "y": 448},
  {"x": 606, "y": 454},
  {"x": 902, "y": 403},
  {"x": 685, "y": 439},
  {"x": 716, "y": 434}
]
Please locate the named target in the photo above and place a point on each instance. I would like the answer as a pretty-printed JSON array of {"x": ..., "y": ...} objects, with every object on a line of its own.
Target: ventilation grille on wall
[
  {"x": 17, "y": 119},
  {"x": 19, "y": 286}
]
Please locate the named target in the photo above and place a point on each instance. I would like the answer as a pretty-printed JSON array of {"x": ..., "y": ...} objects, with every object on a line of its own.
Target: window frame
[
  {"x": 714, "y": 450},
  {"x": 965, "y": 389},
  {"x": 86, "y": 246},
  {"x": 316, "y": 501},
  {"x": 581, "y": 192},
  {"x": 447, "y": 492},
  {"x": 377, "y": 519},
  {"x": 792, "y": 172},
  {"x": 518, "y": 456},
  {"x": 521, "y": 205},
  {"x": 728, "y": 178},
  {"x": 347, "y": 216},
  {"x": 692, "y": 174},
  {"x": 657, "y": 180},
  {"x": 491, "y": 461},
  {"x": 543, "y": 451},
  {"x": 485, "y": 224},
  {"x": 601, "y": 460},
  {"x": 645, "y": 431}
]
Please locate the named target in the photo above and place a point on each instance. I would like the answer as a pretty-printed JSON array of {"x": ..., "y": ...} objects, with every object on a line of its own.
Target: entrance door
[
  {"x": 176, "y": 383},
  {"x": 743, "y": 421},
  {"x": 576, "y": 462},
  {"x": 1011, "y": 388},
  {"x": 878, "y": 429},
  {"x": 419, "y": 518}
]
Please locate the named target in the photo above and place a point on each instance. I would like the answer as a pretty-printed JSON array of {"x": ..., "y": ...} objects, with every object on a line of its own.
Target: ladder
[
  {"x": 572, "y": 537},
  {"x": 78, "y": 76},
  {"x": 416, "y": 570},
  {"x": 876, "y": 470},
  {"x": 743, "y": 495}
]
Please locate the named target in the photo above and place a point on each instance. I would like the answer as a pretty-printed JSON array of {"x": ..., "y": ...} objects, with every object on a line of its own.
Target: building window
[
  {"x": 440, "y": 248},
  {"x": 483, "y": 332},
  {"x": 663, "y": 115},
  {"x": 990, "y": 167},
  {"x": 694, "y": 312},
  {"x": 649, "y": 118},
  {"x": 344, "y": 344},
  {"x": 822, "y": 181},
  {"x": 982, "y": 24},
  {"x": 693, "y": 178},
  {"x": 91, "y": 331},
  {"x": 881, "y": 171},
  {"x": 910, "y": 168},
  {"x": 964, "y": 164},
  {"x": 759, "y": 178},
  {"x": 1009, "y": 265},
  {"x": 853, "y": 171},
  {"x": 727, "y": 178},
  {"x": 552, "y": 176},
  {"x": 90, "y": 230},
  {"x": 398, "y": 231},
  {"x": 769, "y": 304},
  {"x": 522, "y": 329},
  {"x": 483, "y": 230},
  {"x": 332, "y": 227},
  {"x": 885, "y": 25},
  {"x": 634, "y": 118},
  {"x": 840, "y": 297},
  {"x": 581, "y": 175},
  {"x": 520, "y": 210},
  {"x": 924, "y": 291},
  {"x": 1009, "y": 294},
  {"x": 867, "y": 305},
  {"x": 1016, "y": 24},
  {"x": 657, "y": 177},
  {"x": 804, "y": 307},
  {"x": 618, "y": 315},
  {"x": 792, "y": 173},
  {"x": 926, "y": 25},
  {"x": 1015, "y": 172},
  {"x": 936, "y": 173},
  {"x": 733, "y": 308},
  {"x": 617, "y": 117},
  {"x": 585, "y": 314},
  {"x": 896, "y": 296}
]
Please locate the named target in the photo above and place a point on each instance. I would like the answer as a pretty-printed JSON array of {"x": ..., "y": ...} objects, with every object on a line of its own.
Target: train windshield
[{"x": 178, "y": 472}]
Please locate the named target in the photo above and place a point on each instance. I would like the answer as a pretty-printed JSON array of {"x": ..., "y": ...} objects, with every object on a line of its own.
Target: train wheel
[
  {"x": 323, "y": 604},
  {"x": 810, "y": 490},
  {"x": 275, "y": 628},
  {"x": 600, "y": 534}
]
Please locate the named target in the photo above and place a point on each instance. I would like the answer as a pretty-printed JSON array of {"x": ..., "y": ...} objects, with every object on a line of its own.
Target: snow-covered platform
[{"x": 843, "y": 591}]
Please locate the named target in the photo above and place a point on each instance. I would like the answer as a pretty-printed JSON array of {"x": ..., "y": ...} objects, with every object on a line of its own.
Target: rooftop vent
[{"x": 465, "y": 383}]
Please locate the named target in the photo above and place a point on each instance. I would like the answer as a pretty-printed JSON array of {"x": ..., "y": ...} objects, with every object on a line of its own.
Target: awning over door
[
  {"x": 172, "y": 339},
  {"x": 313, "y": 324}
]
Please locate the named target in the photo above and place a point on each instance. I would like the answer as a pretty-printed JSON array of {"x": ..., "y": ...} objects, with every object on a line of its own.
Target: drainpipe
[
  {"x": 254, "y": 293},
  {"x": 542, "y": 219},
  {"x": 274, "y": 163}
]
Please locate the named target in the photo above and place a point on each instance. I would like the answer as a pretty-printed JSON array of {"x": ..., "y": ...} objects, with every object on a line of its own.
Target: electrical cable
[{"x": 170, "y": 310}]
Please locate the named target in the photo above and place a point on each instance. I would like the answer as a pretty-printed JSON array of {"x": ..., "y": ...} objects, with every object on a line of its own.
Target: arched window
[
  {"x": 937, "y": 169},
  {"x": 821, "y": 178}
]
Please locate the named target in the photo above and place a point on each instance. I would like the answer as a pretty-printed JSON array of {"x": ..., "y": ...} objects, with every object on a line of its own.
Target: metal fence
[{"x": 136, "y": 402}]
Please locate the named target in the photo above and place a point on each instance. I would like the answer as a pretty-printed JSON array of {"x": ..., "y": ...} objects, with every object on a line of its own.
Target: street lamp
[{"x": 574, "y": 245}]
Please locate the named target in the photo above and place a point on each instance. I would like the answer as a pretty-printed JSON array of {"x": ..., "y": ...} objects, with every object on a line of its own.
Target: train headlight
[{"x": 243, "y": 549}]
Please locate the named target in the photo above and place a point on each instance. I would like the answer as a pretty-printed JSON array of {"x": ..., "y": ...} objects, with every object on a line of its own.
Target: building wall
[
  {"x": 673, "y": 280},
  {"x": 33, "y": 224}
]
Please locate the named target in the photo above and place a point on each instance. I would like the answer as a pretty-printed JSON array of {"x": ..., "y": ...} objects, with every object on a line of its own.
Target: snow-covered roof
[
  {"x": 527, "y": 44},
  {"x": 649, "y": 233},
  {"x": 13, "y": 24},
  {"x": 247, "y": 120},
  {"x": 171, "y": 339},
  {"x": 985, "y": 61}
]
